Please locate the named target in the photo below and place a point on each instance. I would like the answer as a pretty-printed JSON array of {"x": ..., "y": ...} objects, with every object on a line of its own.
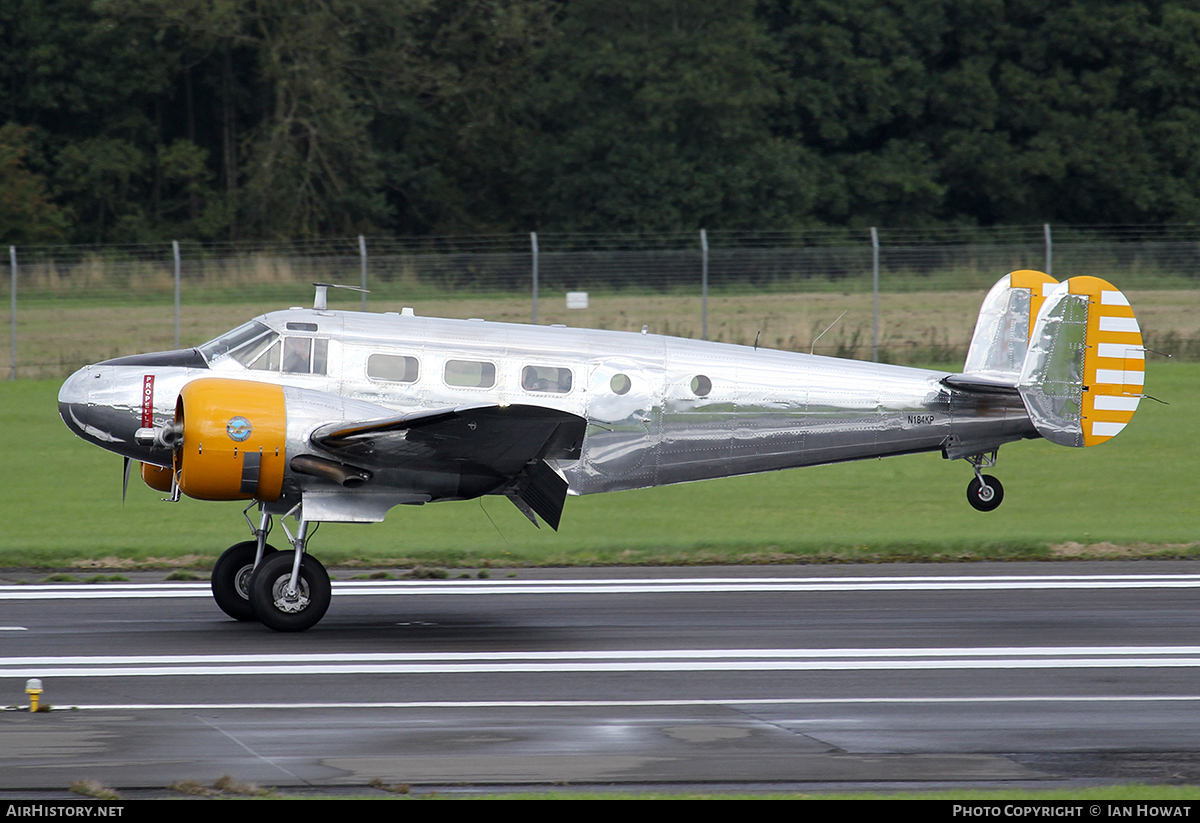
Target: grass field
[{"x": 1134, "y": 496}]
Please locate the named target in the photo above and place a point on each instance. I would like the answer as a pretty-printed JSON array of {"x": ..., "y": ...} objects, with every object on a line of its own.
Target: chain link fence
[{"x": 902, "y": 295}]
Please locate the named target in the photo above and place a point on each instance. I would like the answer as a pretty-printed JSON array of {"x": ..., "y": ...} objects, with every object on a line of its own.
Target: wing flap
[{"x": 541, "y": 490}]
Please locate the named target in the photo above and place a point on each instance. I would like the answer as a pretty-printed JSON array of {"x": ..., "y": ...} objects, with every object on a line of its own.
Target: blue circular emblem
[{"x": 238, "y": 428}]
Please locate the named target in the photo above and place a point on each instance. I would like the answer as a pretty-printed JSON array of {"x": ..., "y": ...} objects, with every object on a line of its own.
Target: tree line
[{"x": 139, "y": 120}]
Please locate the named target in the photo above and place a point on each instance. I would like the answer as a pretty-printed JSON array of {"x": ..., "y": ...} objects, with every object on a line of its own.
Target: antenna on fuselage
[
  {"x": 822, "y": 334},
  {"x": 321, "y": 300}
]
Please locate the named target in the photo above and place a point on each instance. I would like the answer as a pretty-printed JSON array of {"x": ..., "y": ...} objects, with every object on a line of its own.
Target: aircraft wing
[
  {"x": 508, "y": 442},
  {"x": 500, "y": 438}
]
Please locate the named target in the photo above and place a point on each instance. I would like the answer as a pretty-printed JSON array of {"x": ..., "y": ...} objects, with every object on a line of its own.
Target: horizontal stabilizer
[{"x": 981, "y": 383}]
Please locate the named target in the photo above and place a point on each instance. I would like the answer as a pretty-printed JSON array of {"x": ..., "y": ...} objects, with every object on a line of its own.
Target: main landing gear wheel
[
  {"x": 231, "y": 578},
  {"x": 985, "y": 496},
  {"x": 283, "y": 610}
]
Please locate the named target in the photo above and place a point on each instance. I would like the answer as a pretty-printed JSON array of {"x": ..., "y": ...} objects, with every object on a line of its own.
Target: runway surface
[{"x": 790, "y": 677}]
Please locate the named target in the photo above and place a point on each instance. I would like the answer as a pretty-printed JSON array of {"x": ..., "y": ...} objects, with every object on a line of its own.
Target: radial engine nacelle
[{"x": 229, "y": 441}]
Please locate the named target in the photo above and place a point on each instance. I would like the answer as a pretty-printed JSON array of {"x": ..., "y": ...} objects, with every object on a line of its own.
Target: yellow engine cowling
[{"x": 234, "y": 434}]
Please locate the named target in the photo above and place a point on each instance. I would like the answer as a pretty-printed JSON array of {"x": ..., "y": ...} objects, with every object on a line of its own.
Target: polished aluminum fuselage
[{"x": 660, "y": 409}]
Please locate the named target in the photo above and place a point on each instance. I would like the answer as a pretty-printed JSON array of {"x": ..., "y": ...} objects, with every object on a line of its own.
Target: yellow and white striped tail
[
  {"x": 1084, "y": 372},
  {"x": 1114, "y": 365}
]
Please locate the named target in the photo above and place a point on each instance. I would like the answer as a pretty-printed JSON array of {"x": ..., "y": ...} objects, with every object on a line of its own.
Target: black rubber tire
[
  {"x": 236, "y": 564},
  {"x": 985, "y": 499},
  {"x": 273, "y": 609}
]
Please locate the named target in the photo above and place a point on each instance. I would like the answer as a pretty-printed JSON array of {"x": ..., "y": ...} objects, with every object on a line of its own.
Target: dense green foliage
[{"x": 133, "y": 120}]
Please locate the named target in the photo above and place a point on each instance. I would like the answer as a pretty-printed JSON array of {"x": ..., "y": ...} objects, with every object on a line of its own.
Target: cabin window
[
  {"x": 620, "y": 384},
  {"x": 394, "y": 368},
  {"x": 470, "y": 374},
  {"x": 547, "y": 379},
  {"x": 701, "y": 386}
]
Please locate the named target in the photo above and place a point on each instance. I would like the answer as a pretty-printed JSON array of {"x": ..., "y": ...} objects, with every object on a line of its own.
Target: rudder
[{"x": 1083, "y": 374}]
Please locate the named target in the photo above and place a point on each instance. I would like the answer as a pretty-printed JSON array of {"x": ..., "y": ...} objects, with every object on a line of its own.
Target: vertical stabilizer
[
  {"x": 1085, "y": 368},
  {"x": 1005, "y": 323}
]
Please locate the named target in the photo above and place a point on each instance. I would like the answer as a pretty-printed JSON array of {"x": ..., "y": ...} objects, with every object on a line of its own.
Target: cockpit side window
[
  {"x": 305, "y": 355},
  {"x": 320, "y": 357},
  {"x": 262, "y": 355},
  {"x": 259, "y": 353},
  {"x": 260, "y": 348},
  {"x": 297, "y": 354}
]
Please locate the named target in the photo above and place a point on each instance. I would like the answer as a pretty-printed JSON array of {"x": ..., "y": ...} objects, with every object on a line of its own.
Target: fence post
[
  {"x": 1049, "y": 250},
  {"x": 362, "y": 256},
  {"x": 175, "y": 250},
  {"x": 533, "y": 243},
  {"x": 875, "y": 294},
  {"x": 12, "y": 343},
  {"x": 703, "y": 284}
]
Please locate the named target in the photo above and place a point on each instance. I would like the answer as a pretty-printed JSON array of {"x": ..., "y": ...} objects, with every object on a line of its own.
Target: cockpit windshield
[{"x": 232, "y": 340}]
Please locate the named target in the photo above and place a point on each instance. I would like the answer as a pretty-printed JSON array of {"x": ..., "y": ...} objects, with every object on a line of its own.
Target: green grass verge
[{"x": 1135, "y": 496}]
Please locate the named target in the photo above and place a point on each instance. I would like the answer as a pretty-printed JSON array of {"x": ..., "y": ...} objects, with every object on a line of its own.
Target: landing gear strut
[
  {"x": 984, "y": 493},
  {"x": 290, "y": 591}
]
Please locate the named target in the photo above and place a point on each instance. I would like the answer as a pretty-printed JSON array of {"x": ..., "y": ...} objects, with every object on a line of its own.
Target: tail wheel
[
  {"x": 985, "y": 496},
  {"x": 231, "y": 578},
  {"x": 289, "y": 611}
]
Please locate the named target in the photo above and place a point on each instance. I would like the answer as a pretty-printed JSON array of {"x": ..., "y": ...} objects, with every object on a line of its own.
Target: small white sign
[{"x": 577, "y": 300}]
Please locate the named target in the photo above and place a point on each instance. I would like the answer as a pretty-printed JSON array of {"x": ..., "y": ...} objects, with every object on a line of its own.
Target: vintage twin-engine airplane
[{"x": 338, "y": 416}]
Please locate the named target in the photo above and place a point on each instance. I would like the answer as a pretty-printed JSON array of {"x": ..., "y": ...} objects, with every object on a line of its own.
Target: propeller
[{"x": 124, "y": 479}]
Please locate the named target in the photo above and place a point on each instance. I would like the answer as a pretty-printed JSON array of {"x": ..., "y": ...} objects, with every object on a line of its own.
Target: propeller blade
[{"x": 124, "y": 480}]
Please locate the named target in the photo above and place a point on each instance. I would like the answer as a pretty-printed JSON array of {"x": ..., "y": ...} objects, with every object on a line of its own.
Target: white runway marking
[
  {"x": 571, "y": 704},
  {"x": 133, "y": 591},
  {"x": 591, "y": 662}
]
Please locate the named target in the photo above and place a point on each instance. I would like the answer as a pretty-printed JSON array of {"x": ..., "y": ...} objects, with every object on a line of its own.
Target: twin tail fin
[{"x": 1073, "y": 352}]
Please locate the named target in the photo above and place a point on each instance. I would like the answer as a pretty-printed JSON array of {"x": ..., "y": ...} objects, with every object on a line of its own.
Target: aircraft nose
[
  {"x": 104, "y": 405},
  {"x": 73, "y": 400}
]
